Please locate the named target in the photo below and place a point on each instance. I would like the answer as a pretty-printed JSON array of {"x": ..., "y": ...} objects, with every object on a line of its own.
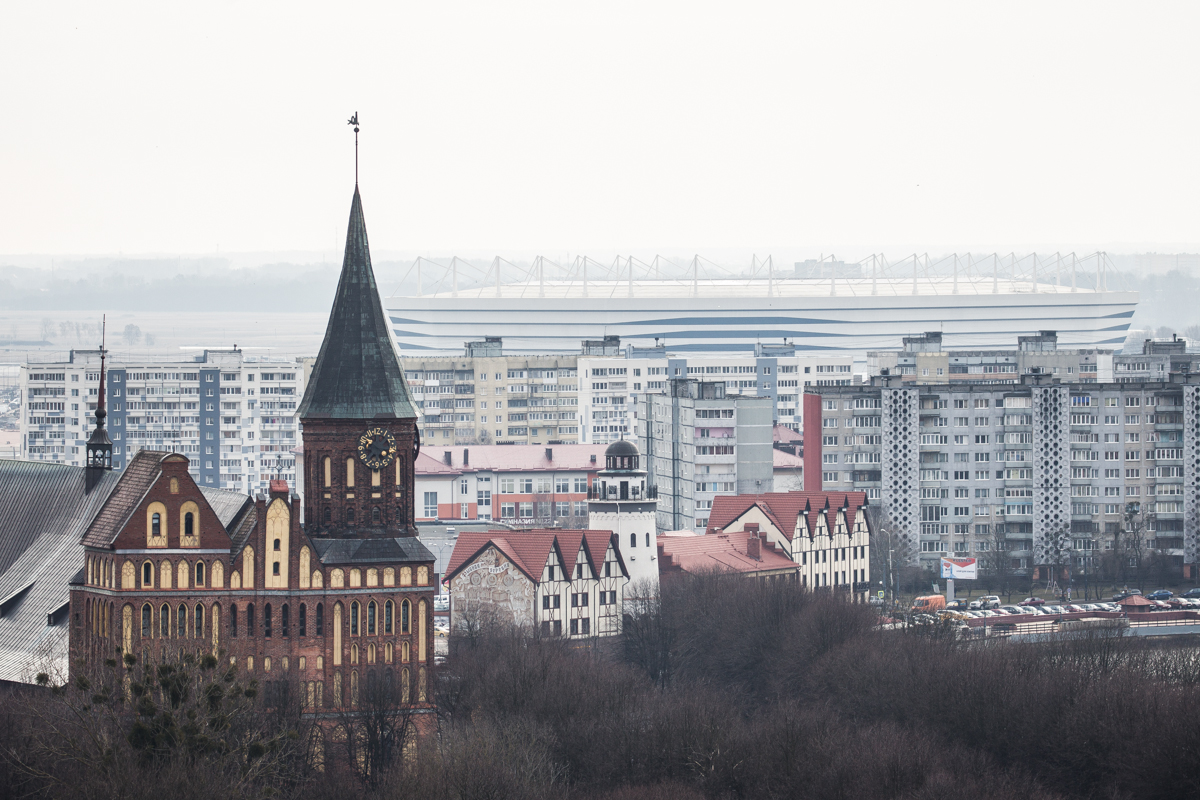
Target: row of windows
[{"x": 190, "y": 623}]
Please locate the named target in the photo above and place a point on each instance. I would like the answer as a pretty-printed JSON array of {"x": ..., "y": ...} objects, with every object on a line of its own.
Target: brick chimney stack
[{"x": 753, "y": 546}]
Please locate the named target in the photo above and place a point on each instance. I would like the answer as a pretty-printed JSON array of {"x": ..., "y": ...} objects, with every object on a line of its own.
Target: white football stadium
[{"x": 976, "y": 303}]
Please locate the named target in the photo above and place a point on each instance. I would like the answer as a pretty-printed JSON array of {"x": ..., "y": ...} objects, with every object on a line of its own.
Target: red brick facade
[
  {"x": 210, "y": 607},
  {"x": 379, "y": 500}
]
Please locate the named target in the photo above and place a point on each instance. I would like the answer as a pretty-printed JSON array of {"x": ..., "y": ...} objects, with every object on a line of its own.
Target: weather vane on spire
[{"x": 354, "y": 121}]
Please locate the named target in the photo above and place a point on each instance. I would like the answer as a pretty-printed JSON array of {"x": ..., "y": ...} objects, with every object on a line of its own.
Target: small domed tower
[{"x": 621, "y": 502}]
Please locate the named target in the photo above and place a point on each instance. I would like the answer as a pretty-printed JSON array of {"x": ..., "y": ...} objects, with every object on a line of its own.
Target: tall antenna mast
[{"x": 354, "y": 121}]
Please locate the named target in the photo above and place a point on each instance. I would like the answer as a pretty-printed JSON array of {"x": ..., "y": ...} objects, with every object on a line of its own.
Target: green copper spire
[{"x": 358, "y": 373}]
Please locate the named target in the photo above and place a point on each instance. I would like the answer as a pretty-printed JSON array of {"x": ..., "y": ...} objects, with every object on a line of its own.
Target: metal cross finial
[{"x": 354, "y": 121}]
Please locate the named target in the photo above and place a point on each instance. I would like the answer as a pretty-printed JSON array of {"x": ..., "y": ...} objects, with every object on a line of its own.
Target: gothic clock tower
[{"x": 360, "y": 427}]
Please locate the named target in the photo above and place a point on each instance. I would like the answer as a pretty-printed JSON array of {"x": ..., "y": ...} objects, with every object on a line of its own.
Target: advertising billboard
[{"x": 960, "y": 568}]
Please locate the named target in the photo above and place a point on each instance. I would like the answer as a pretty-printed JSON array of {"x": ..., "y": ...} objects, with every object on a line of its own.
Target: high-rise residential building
[
  {"x": 1159, "y": 358},
  {"x": 233, "y": 415},
  {"x": 924, "y": 360},
  {"x": 610, "y": 386},
  {"x": 701, "y": 441},
  {"x": 487, "y": 396},
  {"x": 1044, "y": 470}
]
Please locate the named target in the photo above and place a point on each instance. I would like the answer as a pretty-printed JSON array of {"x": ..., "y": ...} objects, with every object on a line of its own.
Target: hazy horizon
[{"x": 638, "y": 127}]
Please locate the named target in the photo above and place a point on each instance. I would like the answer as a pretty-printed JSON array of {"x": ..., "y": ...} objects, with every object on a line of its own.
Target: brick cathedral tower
[{"x": 360, "y": 428}]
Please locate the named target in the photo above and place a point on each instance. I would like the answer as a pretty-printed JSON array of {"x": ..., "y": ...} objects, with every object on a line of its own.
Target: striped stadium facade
[{"x": 852, "y": 315}]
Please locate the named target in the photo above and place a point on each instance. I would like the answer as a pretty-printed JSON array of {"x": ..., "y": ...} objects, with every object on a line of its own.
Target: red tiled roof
[
  {"x": 784, "y": 460},
  {"x": 512, "y": 458},
  {"x": 722, "y": 551},
  {"x": 786, "y": 507},
  {"x": 529, "y": 550},
  {"x": 785, "y": 435},
  {"x": 428, "y": 465}
]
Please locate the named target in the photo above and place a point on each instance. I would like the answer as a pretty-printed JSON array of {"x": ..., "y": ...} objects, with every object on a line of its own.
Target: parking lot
[{"x": 987, "y": 615}]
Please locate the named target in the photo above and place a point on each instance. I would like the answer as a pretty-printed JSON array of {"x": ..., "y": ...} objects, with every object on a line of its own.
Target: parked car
[
  {"x": 1161, "y": 594},
  {"x": 957, "y": 605},
  {"x": 991, "y": 601},
  {"x": 1192, "y": 593},
  {"x": 441, "y": 602},
  {"x": 1032, "y": 601},
  {"x": 1014, "y": 609},
  {"x": 1160, "y": 605},
  {"x": 1121, "y": 595},
  {"x": 1075, "y": 609}
]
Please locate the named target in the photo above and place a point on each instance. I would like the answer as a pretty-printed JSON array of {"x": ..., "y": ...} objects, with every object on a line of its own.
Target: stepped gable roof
[
  {"x": 131, "y": 487},
  {"x": 529, "y": 550},
  {"x": 720, "y": 551},
  {"x": 357, "y": 374},
  {"x": 46, "y": 509},
  {"x": 785, "y": 508},
  {"x": 135, "y": 481},
  {"x": 334, "y": 552}
]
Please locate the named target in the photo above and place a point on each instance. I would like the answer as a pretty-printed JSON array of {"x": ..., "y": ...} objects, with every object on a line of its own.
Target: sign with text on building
[{"x": 966, "y": 569}]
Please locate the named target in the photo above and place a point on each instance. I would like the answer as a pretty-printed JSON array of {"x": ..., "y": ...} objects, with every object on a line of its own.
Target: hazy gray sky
[{"x": 160, "y": 127}]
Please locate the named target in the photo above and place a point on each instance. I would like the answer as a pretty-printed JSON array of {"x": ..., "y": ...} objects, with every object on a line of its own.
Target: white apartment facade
[
  {"x": 488, "y": 397},
  {"x": 610, "y": 386},
  {"x": 232, "y": 415}
]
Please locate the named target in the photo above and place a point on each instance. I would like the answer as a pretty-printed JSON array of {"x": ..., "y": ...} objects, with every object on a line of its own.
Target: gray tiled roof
[
  {"x": 225, "y": 504},
  {"x": 44, "y": 511},
  {"x": 358, "y": 373},
  {"x": 370, "y": 551}
]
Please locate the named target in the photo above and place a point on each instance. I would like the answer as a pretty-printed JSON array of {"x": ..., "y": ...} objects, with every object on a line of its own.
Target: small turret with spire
[{"x": 99, "y": 446}]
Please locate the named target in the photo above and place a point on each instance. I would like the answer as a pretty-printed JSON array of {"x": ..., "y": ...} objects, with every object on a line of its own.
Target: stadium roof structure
[{"x": 976, "y": 301}]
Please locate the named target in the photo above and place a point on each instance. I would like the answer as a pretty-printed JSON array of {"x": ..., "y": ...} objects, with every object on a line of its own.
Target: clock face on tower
[{"x": 376, "y": 448}]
